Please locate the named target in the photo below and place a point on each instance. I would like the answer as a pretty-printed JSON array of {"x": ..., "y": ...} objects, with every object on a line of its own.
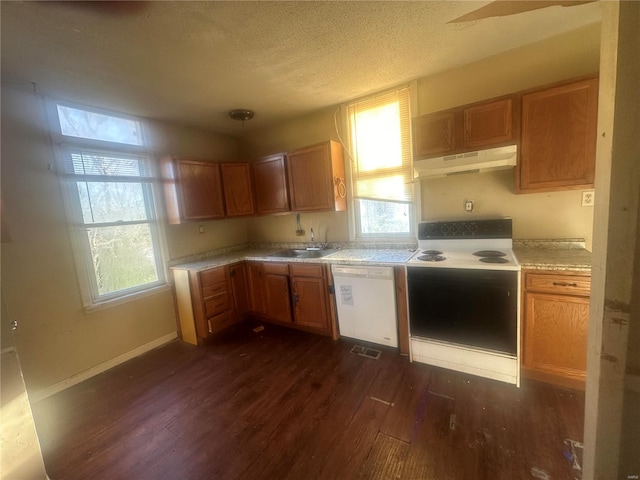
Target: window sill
[{"x": 94, "y": 307}]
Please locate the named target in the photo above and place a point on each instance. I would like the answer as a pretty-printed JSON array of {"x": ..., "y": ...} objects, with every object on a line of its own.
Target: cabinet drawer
[
  {"x": 305, "y": 270},
  {"x": 568, "y": 284},
  {"x": 214, "y": 290},
  {"x": 216, "y": 304},
  {"x": 275, "y": 268},
  {"x": 218, "y": 322},
  {"x": 209, "y": 277}
]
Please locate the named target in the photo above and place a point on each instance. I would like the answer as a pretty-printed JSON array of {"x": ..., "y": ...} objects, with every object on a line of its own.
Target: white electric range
[{"x": 463, "y": 289}]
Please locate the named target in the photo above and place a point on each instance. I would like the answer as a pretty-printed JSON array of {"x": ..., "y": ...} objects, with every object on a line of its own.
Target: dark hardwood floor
[{"x": 283, "y": 404}]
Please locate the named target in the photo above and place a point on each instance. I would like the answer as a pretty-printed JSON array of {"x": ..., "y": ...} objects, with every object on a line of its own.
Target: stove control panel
[{"x": 496, "y": 228}]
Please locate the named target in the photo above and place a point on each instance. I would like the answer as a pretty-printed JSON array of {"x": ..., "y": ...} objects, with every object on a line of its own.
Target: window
[
  {"x": 380, "y": 140},
  {"x": 109, "y": 186}
]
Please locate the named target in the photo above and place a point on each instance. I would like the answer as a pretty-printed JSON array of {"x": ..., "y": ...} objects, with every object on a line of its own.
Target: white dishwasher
[{"x": 366, "y": 302}]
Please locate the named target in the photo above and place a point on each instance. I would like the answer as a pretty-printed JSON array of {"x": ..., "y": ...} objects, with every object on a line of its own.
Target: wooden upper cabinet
[
  {"x": 558, "y": 138},
  {"x": 316, "y": 178},
  {"x": 238, "y": 195},
  {"x": 270, "y": 184},
  {"x": 434, "y": 134},
  {"x": 488, "y": 124},
  {"x": 464, "y": 129},
  {"x": 193, "y": 190}
]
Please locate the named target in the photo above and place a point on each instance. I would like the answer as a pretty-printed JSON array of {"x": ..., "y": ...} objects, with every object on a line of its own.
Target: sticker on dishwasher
[{"x": 346, "y": 293}]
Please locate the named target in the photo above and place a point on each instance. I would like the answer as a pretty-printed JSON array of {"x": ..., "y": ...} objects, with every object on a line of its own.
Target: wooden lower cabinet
[
  {"x": 555, "y": 322},
  {"x": 294, "y": 294},
  {"x": 205, "y": 302}
]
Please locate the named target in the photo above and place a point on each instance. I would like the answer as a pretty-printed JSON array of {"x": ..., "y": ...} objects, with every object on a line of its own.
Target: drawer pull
[{"x": 565, "y": 284}]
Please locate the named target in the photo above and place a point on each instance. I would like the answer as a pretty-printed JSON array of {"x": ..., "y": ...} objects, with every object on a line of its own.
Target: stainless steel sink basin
[{"x": 302, "y": 253}]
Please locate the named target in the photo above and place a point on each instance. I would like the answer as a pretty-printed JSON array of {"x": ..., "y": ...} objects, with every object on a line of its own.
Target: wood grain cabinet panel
[
  {"x": 240, "y": 289},
  {"x": 255, "y": 287},
  {"x": 316, "y": 178},
  {"x": 466, "y": 128},
  {"x": 309, "y": 299},
  {"x": 238, "y": 194},
  {"x": 434, "y": 134},
  {"x": 270, "y": 185},
  {"x": 558, "y": 142},
  {"x": 277, "y": 297},
  {"x": 193, "y": 190},
  {"x": 488, "y": 124},
  {"x": 555, "y": 322}
]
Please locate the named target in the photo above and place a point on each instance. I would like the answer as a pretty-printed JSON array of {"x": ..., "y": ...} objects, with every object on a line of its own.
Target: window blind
[{"x": 381, "y": 143}]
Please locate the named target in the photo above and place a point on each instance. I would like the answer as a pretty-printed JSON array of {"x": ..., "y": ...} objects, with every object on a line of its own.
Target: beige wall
[
  {"x": 539, "y": 215},
  {"x": 56, "y": 338}
]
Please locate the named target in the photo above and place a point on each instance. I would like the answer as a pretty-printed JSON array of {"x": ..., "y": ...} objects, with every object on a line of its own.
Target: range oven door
[{"x": 475, "y": 308}]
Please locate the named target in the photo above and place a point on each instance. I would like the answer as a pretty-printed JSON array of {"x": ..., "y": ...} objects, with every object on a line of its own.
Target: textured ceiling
[{"x": 192, "y": 62}]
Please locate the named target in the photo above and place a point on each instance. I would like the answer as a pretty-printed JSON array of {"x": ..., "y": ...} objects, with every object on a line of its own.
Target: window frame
[
  {"x": 152, "y": 194},
  {"x": 354, "y": 217}
]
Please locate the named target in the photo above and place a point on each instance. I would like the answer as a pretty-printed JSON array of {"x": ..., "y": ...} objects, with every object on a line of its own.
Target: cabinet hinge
[{"x": 331, "y": 289}]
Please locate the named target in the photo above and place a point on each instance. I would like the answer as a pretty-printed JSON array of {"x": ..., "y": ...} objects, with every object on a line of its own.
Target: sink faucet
[{"x": 312, "y": 237}]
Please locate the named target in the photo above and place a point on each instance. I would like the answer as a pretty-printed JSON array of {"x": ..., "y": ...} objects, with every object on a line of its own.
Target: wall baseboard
[{"x": 103, "y": 367}]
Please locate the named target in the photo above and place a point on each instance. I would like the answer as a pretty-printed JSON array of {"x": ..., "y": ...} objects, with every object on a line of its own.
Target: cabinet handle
[
  {"x": 565, "y": 284},
  {"x": 341, "y": 187},
  {"x": 295, "y": 300}
]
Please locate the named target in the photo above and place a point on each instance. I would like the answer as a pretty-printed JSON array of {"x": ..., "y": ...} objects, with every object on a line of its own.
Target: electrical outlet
[
  {"x": 588, "y": 198},
  {"x": 201, "y": 228},
  {"x": 468, "y": 206}
]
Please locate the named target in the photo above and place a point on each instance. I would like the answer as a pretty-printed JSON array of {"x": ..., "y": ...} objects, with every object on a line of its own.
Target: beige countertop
[
  {"x": 565, "y": 254},
  {"x": 349, "y": 256},
  {"x": 554, "y": 254}
]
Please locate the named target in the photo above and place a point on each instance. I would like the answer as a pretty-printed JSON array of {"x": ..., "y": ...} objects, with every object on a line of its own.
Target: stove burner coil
[
  {"x": 494, "y": 260},
  {"x": 490, "y": 254},
  {"x": 432, "y": 252},
  {"x": 431, "y": 258}
]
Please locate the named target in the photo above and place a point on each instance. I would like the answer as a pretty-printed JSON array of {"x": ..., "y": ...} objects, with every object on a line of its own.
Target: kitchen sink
[{"x": 303, "y": 253}]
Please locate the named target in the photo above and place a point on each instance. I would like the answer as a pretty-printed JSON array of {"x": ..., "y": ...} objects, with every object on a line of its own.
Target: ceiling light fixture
[{"x": 241, "y": 115}]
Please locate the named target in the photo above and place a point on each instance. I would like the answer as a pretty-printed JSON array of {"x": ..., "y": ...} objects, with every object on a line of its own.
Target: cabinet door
[
  {"x": 277, "y": 298},
  {"x": 238, "y": 196},
  {"x": 558, "y": 138},
  {"x": 256, "y": 287},
  {"x": 193, "y": 190},
  {"x": 316, "y": 178},
  {"x": 555, "y": 336},
  {"x": 434, "y": 134},
  {"x": 239, "y": 288},
  {"x": 270, "y": 184},
  {"x": 488, "y": 124},
  {"x": 309, "y": 302}
]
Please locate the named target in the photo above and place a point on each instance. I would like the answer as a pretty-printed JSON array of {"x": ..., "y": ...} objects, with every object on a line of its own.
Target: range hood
[{"x": 480, "y": 161}]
